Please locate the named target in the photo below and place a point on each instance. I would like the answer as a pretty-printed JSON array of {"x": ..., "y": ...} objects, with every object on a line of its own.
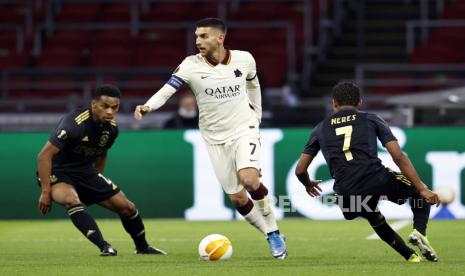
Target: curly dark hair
[
  {"x": 346, "y": 93},
  {"x": 107, "y": 90}
]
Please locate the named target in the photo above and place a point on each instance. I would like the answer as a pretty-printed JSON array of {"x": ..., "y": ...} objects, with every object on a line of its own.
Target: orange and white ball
[{"x": 215, "y": 247}]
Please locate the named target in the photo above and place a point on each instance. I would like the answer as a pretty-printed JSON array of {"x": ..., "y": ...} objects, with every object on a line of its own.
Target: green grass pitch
[{"x": 55, "y": 247}]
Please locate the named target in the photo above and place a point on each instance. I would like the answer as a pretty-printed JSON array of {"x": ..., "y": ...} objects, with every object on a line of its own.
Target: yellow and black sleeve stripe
[{"x": 82, "y": 117}]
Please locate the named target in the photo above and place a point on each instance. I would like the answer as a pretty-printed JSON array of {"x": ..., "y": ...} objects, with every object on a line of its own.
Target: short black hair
[
  {"x": 346, "y": 93},
  {"x": 107, "y": 90},
  {"x": 213, "y": 23}
]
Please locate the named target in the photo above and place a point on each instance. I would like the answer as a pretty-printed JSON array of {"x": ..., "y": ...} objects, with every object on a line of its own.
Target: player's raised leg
[
  {"x": 132, "y": 222},
  {"x": 248, "y": 210},
  {"x": 225, "y": 160},
  {"x": 420, "y": 209},
  {"x": 64, "y": 194},
  {"x": 249, "y": 178},
  {"x": 401, "y": 190},
  {"x": 222, "y": 158},
  {"x": 389, "y": 236},
  {"x": 417, "y": 237}
]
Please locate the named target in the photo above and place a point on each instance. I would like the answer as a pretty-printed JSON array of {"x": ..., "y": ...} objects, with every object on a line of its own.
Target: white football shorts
[{"x": 227, "y": 159}]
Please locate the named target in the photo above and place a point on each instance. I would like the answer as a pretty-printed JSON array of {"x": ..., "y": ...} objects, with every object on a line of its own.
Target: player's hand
[
  {"x": 140, "y": 111},
  {"x": 45, "y": 202},
  {"x": 313, "y": 189},
  {"x": 430, "y": 197}
]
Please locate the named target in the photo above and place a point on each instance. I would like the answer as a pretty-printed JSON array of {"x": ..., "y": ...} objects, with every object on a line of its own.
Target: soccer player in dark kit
[
  {"x": 70, "y": 170},
  {"x": 347, "y": 140}
]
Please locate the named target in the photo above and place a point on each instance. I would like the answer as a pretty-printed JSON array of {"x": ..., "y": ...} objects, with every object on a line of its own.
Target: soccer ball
[
  {"x": 215, "y": 247},
  {"x": 446, "y": 194}
]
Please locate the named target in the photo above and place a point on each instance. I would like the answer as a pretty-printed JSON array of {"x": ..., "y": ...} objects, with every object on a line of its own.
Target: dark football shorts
[
  {"x": 396, "y": 188},
  {"x": 91, "y": 188}
]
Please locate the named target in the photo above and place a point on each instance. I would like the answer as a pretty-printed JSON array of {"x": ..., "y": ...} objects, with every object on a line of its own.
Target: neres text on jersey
[{"x": 345, "y": 119}]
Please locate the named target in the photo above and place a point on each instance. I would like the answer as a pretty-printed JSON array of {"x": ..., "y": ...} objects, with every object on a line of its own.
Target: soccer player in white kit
[{"x": 227, "y": 90}]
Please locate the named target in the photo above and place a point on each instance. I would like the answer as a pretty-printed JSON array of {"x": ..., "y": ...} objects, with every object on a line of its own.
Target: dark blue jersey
[
  {"x": 347, "y": 140},
  {"x": 81, "y": 141}
]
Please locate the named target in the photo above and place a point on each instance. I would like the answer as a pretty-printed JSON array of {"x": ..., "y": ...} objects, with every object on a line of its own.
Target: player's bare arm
[
  {"x": 101, "y": 162},
  {"x": 312, "y": 187},
  {"x": 44, "y": 165},
  {"x": 406, "y": 167}
]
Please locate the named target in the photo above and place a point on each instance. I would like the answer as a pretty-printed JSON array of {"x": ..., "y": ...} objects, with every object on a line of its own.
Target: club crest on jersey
[
  {"x": 224, "y": 92},
  {"x": 103, "y": 140},
  {"x": 238, "y": 73}
]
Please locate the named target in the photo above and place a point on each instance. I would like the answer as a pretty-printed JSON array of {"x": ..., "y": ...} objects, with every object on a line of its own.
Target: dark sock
[
  {"x": 135, "y": 227},
  {"x": 388, "y": 235},
  {"x": 259, "y": 193},
  {"x": 86, "y": 224},
  {"x": 420, "y": 209},
  {"x": 244, "y": 210},
  {"x": 277, "y": 232}
]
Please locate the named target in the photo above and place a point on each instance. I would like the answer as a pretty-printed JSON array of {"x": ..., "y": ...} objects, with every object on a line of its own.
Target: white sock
[
  {"x": 255, "y": 218},
  {"x": 264, "y": 207}
]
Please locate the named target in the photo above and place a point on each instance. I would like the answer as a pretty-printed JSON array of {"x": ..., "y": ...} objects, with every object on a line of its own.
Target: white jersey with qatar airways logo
[{"x": 225, "y": 112}]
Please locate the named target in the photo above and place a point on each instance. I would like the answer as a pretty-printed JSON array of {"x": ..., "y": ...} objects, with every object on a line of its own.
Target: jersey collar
[
  {"x": 346, "y": 108},
  {"x": 225, "y": 61}
]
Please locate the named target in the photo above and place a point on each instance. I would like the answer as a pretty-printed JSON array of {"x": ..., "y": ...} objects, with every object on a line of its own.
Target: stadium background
[{"x": 406, "y": 55}]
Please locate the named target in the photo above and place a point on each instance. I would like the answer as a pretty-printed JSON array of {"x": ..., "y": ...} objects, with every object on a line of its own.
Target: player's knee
[
  {"x": 375, "y": 219},
  {"x": 379, "y": 219},
  {"x": 70, "y": 200},
  {"x": 250, "y": 182},
  {"x": 129, "y": 209}
]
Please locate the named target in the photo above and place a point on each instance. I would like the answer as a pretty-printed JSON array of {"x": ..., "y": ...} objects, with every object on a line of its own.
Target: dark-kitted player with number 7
[{"x": 347, "y": 140}]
